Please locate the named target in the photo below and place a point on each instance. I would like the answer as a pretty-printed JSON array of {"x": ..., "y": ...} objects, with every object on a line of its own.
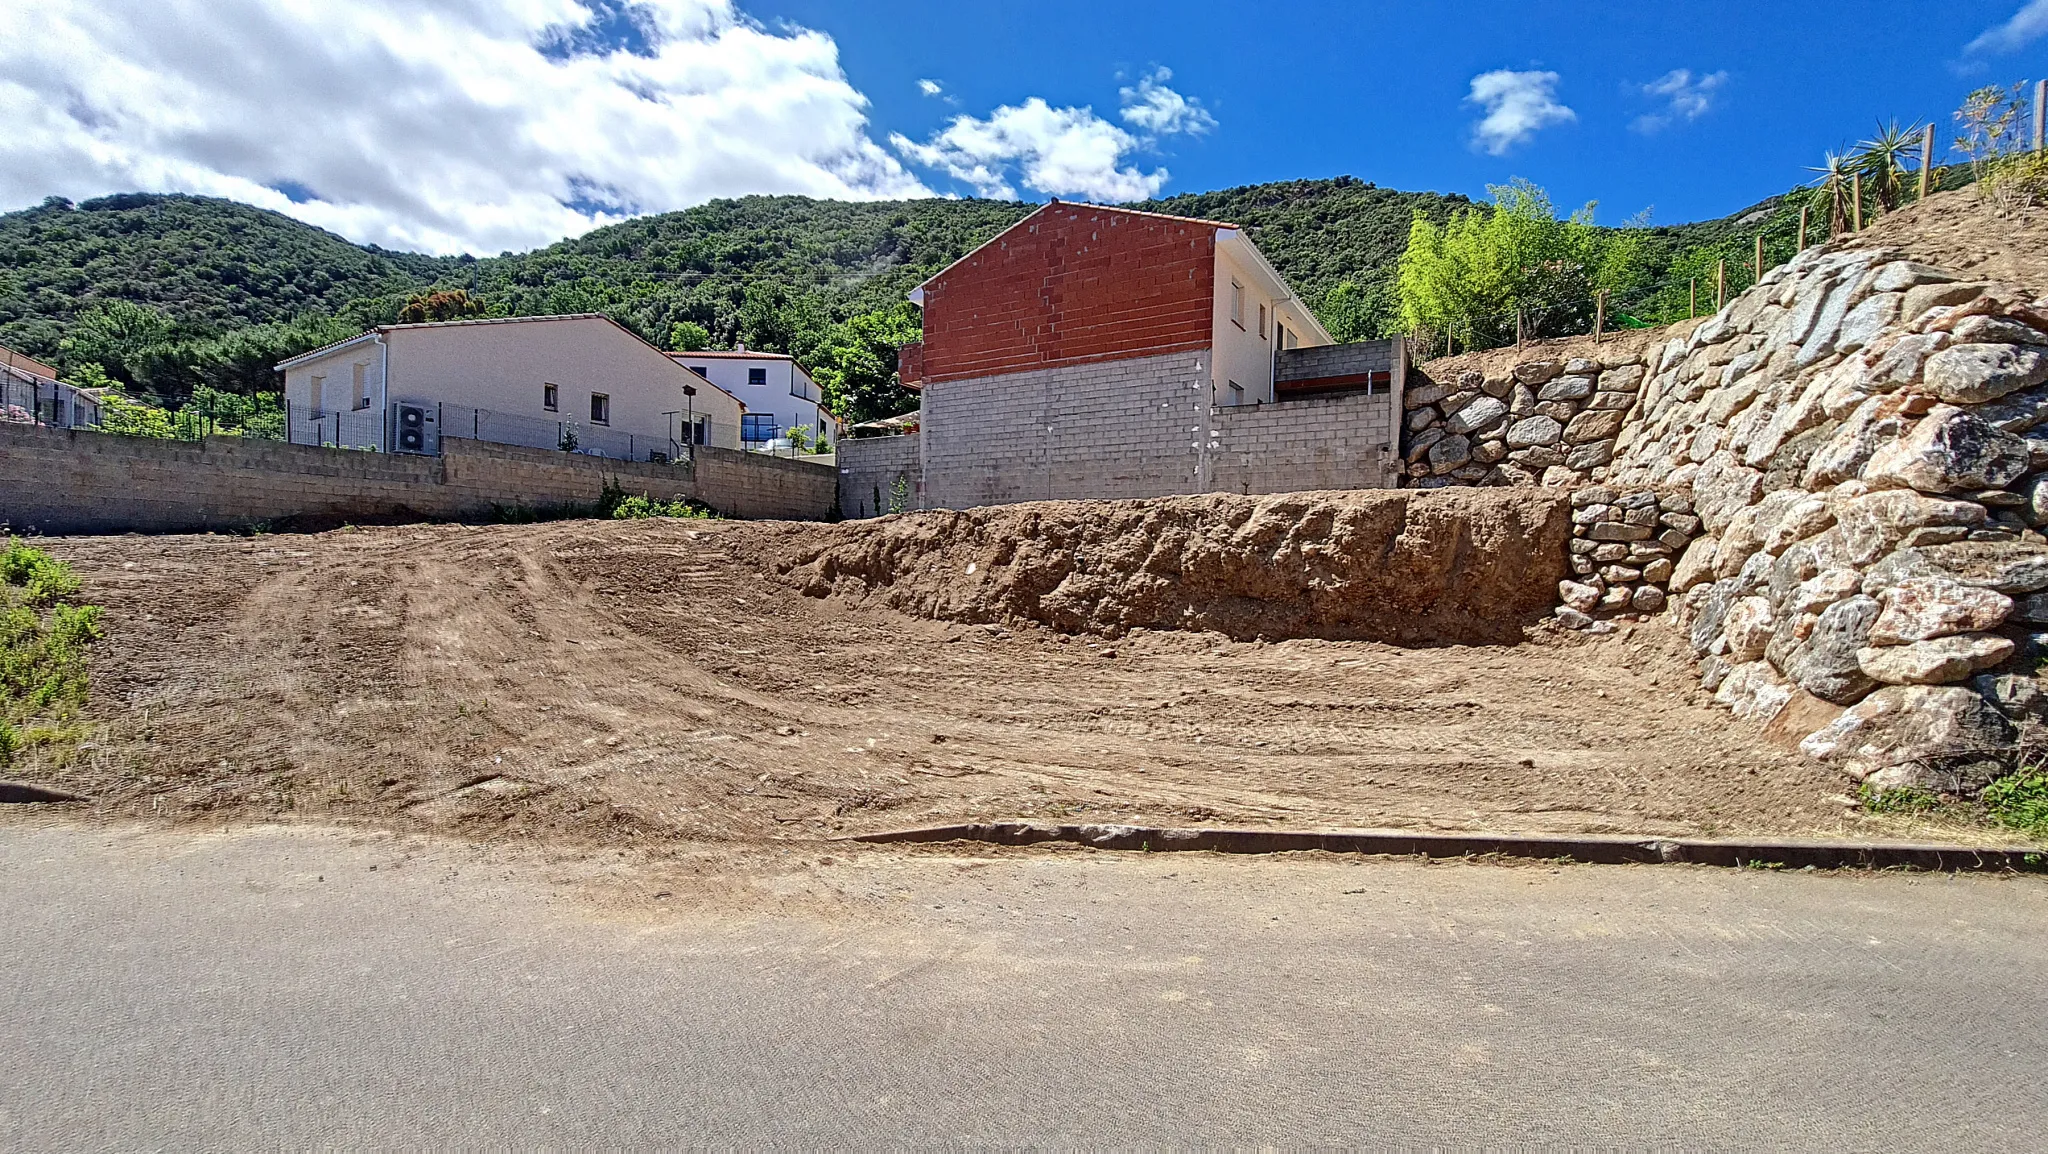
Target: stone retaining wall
[
  {"x": 1851, "y": 462},
  {"x": 72, "y": 481}
]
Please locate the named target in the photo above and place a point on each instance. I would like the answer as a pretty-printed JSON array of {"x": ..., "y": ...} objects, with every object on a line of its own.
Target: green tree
[
  {"x": 1476, "y": 274},
  {"x": 1352, "y": 313},
  {"x": 441, "y": 305},
  {"x": 855, "y": 364},
  {"x": 119, "y": 336},
  {"x": 688, "y": 337}
]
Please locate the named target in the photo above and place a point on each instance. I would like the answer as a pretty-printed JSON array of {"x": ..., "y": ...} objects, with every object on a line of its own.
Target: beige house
[{"x": 582, "y": 382}]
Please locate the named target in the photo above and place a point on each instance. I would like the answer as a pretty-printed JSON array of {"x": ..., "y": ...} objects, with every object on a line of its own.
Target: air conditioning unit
[{"x": 415, "y": 434}]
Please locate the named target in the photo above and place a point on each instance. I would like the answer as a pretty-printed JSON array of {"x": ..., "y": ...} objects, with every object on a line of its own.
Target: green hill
[{"x": 777, "y": 272}]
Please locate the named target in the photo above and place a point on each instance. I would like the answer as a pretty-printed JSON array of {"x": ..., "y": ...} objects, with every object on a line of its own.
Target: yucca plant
[
  {"x": 1883, "y": 160},
  {"x": 1837, "y": 173}
]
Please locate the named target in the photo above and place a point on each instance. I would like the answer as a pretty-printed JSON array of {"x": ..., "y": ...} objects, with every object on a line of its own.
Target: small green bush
[
  {"x": 42, "y": 652},
  {"x": 43, "y": 579},
  {"x": 1903, "y": 799},
  {"x": 2020, "y": 799},
  {"x": 635, "y": 508}
]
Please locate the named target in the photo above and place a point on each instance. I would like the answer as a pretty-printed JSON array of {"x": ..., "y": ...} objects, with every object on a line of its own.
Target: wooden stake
[
  {"x": 1856, "y": 203},
  {"x": 1599, "y": 314},
  {"x": 1926, "y": 159},
  {"x": 1720, "y": 284},
  {"x": 1692, "y": 299},
  {"x": 2040, "y": 116},
  {"x": 1759, "y": 259},
  {"x": 1518, "y": 327},
  {"x": 1804, "y": 210}
]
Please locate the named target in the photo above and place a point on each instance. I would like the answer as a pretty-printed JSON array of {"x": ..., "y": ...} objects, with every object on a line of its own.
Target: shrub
[
  {"x": 2020, "y": 799},
  {"x": 635, "y": 508},
  {"x": 43, "y": 579}
]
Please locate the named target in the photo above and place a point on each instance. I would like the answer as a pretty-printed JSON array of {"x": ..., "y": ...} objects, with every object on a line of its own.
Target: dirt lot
[{"x": 594, "y": 682}]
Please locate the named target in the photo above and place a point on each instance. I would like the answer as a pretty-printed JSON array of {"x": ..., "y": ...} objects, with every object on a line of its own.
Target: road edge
[{"x": 1591, "y": 849}]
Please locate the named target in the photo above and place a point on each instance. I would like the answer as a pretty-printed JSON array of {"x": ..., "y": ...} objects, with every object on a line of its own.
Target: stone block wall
[
  {"x": 1854, "y": 458},
  {"x": 1546, "y": 421},
  {"x": 870, "y": 469},
  {"x": 72, "y": 481}
]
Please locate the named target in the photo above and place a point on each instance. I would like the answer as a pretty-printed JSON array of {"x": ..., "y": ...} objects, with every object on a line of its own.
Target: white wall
[
  {"x": 504, "y": 367},
  {"x": 729, "y": 371},
  {"x": 1244, "y": 355}
]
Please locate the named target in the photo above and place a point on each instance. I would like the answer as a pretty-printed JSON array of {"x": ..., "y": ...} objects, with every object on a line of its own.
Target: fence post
[
  {"x": 1720, "y": 284},
  {"x": 1692, "y": 299},
  {"x": 1599, "y": 314},
  {"x": 1927, "y": 153},
  {"x": 2040, "y": 117},
  {"x": 1804, "y": 210},
  {"x": 1856, "y": 203},
  {"x": 1518, "y": 326},
  {"x": 1759, "y": 259}
]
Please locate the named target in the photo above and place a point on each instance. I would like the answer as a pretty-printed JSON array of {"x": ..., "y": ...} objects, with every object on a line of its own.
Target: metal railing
[{"x": 43, "y": 403}]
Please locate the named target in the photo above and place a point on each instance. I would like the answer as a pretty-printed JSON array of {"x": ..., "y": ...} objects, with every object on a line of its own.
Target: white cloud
[
  {"x": 1518, "y": 105},
  {"x": 930, "y": 87},
  {"x": 1685, "y": 97},
  {"x": 2027, "y": 25},
  {"x": 463, "y": 125},
  {"x": 1155, "y": 108},
  {"x": 1061, "y": 151}
]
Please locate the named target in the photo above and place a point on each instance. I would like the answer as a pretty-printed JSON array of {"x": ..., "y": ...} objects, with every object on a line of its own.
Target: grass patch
[
  {"x": 2019, "y": 800},
  {"x": 43, "y": 644},
  {"x": 1901, "y": 800}
]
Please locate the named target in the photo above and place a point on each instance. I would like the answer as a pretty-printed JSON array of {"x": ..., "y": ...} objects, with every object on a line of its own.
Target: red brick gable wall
[{"x": 1070, "y": 285}]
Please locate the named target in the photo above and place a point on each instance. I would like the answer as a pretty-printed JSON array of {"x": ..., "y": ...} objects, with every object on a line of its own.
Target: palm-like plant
[
  {"x": 1836, "y": 174},
  {"x": 1882, "y": 161}
]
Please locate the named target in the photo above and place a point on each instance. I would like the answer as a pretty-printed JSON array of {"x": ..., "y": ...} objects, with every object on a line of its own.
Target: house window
[
  {"x": 1262, "y": 322},
  {"x": 1236, "y": 393},
  {"x": 701, "y": 430},
  {"x": 757, "y": 378},
  {"x": 600, "y": 409},
  {"x": 551, "y": 398},
  {"x": 319, "y": 394},
  {"x": 1237, "y": 304},
  {"x": 360, "y": 389},
  {"x": 757, "y": 427},
  {"x": 702, "y": 371}
]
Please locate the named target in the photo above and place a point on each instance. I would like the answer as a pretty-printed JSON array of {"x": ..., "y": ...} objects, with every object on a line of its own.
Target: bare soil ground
[
  {"x": 1962, "y": 232},
  {"x": 634, "y": 682}
]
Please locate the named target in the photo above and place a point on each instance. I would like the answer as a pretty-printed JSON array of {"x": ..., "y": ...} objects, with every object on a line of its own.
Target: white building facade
[
  {"x": 778, "y": 393},
  {"x": 583, "y": 383}
]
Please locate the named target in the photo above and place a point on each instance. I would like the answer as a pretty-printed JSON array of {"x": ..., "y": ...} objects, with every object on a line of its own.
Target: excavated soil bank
[{"x": 1465, "y": 566}]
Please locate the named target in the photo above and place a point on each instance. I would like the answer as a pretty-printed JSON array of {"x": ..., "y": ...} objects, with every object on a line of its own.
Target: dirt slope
[
  {"x": 595, "y": 681},
  {"x": 1463, "y": 565}
]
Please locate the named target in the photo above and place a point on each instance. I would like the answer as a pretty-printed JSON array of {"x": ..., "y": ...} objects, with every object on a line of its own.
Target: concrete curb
[
  {"x": 22, "y": 793},
  {"x": 1605, "y": 850}
]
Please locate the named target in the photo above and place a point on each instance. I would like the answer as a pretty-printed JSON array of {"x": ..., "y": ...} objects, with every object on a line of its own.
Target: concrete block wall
[
  {"x": 1125, "y": 428},
  {"x": 1325, "y": 361},
  {"x": 869, "y": 468},
  {"x": 1142, "y": 427},
  {"x": 1340, "y": 441},
  {"x": 72, "y": 481}
]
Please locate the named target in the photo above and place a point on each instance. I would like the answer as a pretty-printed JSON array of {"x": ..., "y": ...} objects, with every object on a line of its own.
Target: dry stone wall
[
  {"x": 1546, "y": 421},
  {"x": 1838, "y": 486}
]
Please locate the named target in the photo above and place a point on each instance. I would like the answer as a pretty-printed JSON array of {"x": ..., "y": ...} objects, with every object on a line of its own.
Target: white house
[
  {"x": 30, "y": 393},
  {"x": 582, "y": 382},
  {"x": 778, "y": 393}
]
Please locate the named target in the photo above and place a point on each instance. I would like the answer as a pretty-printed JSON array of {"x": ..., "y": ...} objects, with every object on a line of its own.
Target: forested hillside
[{"x": 229, "y": 289}]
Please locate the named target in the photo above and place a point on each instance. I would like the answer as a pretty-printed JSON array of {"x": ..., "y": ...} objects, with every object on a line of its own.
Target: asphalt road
[{"x": 272, "y": 988}]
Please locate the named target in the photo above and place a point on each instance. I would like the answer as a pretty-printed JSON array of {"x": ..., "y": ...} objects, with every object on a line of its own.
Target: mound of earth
[{"x": 1412, "y": 567}]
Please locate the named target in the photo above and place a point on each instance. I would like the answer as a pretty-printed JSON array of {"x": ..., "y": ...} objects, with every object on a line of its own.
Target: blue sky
[
  {"x": 483, "y": 126},
  {"x": 1379, "y": 90}
]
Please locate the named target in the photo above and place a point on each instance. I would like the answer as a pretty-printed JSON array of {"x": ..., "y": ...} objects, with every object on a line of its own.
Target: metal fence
[
  {"x": 403, "y": 427},
  {"x": 42, "y": 403}
]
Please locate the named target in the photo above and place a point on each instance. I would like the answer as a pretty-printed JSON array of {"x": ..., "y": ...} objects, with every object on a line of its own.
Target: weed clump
[
  {"x": 43, "y": 644},
  {"x": 2020, "y": 800}
]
